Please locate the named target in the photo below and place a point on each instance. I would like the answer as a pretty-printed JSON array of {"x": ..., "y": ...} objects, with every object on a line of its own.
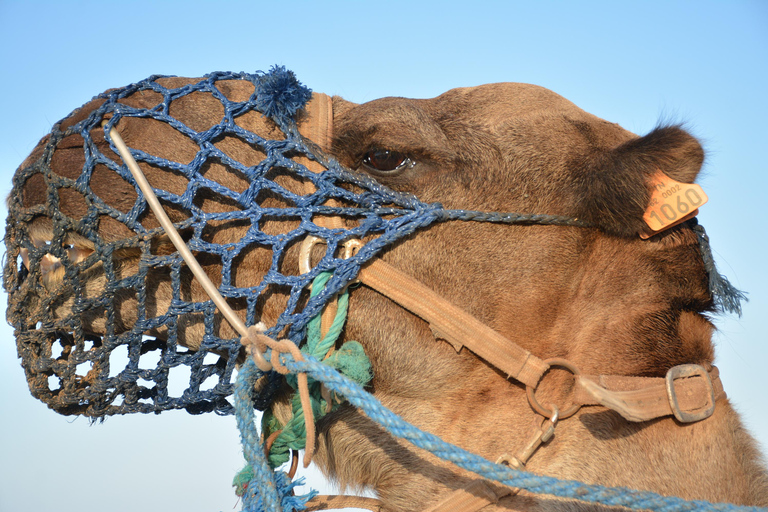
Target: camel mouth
[
  {"x": 85, "y": 348},
  {"x": 44, "y": 254},
  {"x": 88, "y": 256}
]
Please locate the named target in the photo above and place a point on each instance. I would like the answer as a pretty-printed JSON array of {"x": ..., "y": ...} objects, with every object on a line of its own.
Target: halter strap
[
  {"x": 688, "y": 392},
  {"x": 453, "y": 324}
]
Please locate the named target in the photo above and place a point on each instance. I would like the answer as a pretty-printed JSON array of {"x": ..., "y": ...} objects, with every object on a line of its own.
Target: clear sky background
[{"x": 701, "y": 62}]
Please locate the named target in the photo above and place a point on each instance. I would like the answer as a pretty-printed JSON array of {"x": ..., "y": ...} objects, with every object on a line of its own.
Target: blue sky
[{"x": 700, "y": 62}]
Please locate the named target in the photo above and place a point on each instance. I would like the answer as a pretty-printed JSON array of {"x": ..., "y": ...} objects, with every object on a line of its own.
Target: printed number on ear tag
[{"x": 672, "y": 202}]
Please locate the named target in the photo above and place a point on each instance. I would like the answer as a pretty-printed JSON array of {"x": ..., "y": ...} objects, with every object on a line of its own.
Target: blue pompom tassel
[{"x": 280, "y": 95}]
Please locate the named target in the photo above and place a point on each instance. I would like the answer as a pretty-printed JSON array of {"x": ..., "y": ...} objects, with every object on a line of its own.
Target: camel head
[{"x": 89, "y": 270}]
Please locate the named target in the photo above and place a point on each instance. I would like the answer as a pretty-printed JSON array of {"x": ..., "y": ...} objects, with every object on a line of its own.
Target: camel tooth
[
  {"x": 24, "y": 258},
  {"x": 49, "y": 262}
]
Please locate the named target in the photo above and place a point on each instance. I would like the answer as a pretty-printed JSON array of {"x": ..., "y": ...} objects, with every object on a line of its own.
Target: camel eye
[{"x": 387, "y": 161}]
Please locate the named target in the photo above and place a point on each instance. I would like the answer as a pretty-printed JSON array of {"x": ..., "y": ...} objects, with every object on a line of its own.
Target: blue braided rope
[
  {"x": 538, "y": 484},
  {"x": 267, "y": 490},
  {"x": 249, "y": 435}
]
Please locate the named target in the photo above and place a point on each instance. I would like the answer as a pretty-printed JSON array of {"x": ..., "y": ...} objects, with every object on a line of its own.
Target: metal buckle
[{"x": 686, "y": 371}]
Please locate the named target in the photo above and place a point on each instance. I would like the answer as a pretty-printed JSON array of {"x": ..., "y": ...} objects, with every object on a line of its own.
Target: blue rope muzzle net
[
  {"x": 83, "y": 272},
  {"x": 68, "y": 329}
]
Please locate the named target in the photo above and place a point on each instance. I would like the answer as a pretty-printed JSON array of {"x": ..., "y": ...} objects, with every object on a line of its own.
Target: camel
[{"x": 598, "y": 295}]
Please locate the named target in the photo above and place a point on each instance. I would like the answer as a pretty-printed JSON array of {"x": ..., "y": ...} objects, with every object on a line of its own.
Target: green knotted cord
[{"x": 349, "y": 359}]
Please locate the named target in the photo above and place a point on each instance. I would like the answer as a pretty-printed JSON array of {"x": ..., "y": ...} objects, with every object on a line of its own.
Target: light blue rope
[
  {"x": 263, "y": 477},
  {"x": 537, "y": 484},
  {"x": 267, "y": 491}
]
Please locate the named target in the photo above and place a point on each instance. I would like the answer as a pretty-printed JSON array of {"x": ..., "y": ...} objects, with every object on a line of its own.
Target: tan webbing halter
[{"x": 688, "y": 392}]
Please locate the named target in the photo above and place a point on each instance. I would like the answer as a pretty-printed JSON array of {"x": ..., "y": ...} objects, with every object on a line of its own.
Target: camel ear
[{"x": 614, "y": 188}]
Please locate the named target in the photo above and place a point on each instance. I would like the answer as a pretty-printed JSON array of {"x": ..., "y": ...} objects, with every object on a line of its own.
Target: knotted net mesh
[
  {"x": 107, "y": 317},
  {"x": 103, "y": 309}
]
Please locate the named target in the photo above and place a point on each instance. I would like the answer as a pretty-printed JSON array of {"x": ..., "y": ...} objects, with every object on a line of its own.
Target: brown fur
[{"x": 601, "y": 297}]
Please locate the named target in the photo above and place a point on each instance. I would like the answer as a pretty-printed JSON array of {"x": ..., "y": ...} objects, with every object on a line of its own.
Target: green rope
[
  {"x": 242, "y": 479},
  {"x": 315, "y": 346},
  {"x": 349, "y": 359}
]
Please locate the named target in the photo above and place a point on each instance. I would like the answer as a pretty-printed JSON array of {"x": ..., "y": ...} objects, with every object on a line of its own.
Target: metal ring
[
  {"x": 270, "y": 441},
  {"x": 305, "y": 252},
  {"x": 555, "y": 415},
  {"x": 352, "y": 247},
  {"x": 551, "y": 412},
  {"x": 294, "y": 453},
  {"x": 294, "y": 463}
]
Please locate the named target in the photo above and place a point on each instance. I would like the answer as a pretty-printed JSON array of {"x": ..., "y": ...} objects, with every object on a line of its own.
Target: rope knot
[{"x": 313, "y": 400}]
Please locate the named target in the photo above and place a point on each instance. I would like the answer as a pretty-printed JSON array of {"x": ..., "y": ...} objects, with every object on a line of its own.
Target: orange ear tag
[{"x": 671, "y": 203}]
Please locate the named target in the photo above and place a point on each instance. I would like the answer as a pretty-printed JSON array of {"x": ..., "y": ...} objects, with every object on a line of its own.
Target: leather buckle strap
[
  {"x": 688, "y": 392},
  {"x": 704, "y": 389}
]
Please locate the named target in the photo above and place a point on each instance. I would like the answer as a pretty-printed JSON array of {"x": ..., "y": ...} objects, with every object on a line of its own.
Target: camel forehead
[
  {"x": 510, "y": 117},
  {"x": 493, "y": 107},
  {"x": 517, "y": 99}
]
